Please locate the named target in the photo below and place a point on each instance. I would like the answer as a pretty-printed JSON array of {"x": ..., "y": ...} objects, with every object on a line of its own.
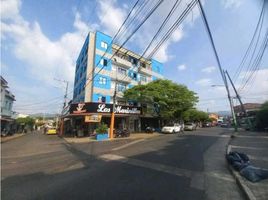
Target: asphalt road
[{"x": 179, "y": 166}]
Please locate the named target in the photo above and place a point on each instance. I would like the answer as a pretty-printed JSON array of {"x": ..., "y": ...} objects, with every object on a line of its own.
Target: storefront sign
[
  {"x": 127, "y": 110},
  {"x": 102, "y": 108},
  {"x": 93, "y": 118}
]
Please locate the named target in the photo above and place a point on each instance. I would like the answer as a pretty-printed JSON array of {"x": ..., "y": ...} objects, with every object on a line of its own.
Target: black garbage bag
[
  {"x": 237, "y": 160},
  {"x": 241, "y": 163},
  {"x": 254, "y": 174}
]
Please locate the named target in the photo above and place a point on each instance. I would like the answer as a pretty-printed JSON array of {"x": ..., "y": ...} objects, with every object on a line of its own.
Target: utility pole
[
  {"x": 218, "y": 60},
  {"x": 112, "y": 116},
  {"x": 231, "y": 102},
  {"x": 239, "y": 99},
  {"x": 66, "y": 91}
]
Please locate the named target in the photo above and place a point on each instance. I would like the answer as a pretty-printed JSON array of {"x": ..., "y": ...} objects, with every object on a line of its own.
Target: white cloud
[
  {"x": 111, "y": 16},
  {"x": 181, "y": 67},
  {"x": 208, "y": 69},
  {"x": 231, "y": 3},
  {"x": 10, "y": 9},
  {"x": 203, "y": 82},
  {"x": 45, "y": 59},
  {"x": 256, "y": 88}
]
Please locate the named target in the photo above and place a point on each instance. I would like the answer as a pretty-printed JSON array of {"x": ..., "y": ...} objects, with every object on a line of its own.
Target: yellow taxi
[{"x": 52, "y": 131}]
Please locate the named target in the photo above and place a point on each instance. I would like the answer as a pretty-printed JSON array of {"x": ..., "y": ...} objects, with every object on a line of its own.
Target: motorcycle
[
  {"x": 121, "y": 133},
  {"x": 149, "y": 129}
]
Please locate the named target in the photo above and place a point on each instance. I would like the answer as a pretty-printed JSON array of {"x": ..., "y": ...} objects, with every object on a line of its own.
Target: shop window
[{"x": 104, "y": 45}]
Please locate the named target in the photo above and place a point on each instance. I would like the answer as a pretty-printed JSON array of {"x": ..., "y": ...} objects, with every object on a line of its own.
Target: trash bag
[
  {"x": 237, "y": 160},
  {"x": 254, "y": 174},
  {"x": 241, "y": 163}
]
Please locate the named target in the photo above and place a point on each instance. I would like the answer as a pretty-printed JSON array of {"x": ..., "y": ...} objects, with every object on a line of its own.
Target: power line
[
  {"x": 133, "y": 32},
  {"x": 241, "y": 65}
]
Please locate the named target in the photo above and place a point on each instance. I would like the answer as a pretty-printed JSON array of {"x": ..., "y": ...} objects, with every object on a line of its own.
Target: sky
[{"x": 41, "y": 40}]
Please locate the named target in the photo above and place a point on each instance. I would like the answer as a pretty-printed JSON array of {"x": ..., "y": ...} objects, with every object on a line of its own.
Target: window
[
  {"x": 134, "y": 76},
  {"x": 121, "y": 87},
  {"x": 143, "y": 65},
  {"x": 102, "y": 81},
  {"x": 104, "y": 62},
  {"x": 122, "y": 71},
  {"x": 104, "y": 45},
  {"x": 102, "y": 99},
  {"x": 143, "y": 78}
]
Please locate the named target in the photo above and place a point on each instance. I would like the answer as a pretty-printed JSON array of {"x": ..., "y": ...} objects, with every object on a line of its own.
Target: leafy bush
[{"x": 102, "y": 128}]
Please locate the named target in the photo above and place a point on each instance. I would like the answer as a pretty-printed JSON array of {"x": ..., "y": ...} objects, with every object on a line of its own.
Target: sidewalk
[
  {"x": 7, "y": 138},
  {"x": 133, "y": 136},
  {"x": 255, "y": 145}
]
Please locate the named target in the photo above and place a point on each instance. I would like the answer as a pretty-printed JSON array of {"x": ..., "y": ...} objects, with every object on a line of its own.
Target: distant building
[
  {"x": 7, "y": 99},
  {"x": 251, "y": 109}
]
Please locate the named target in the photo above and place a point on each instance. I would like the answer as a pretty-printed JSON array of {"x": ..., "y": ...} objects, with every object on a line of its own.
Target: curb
[
  {"x": 238, "y": 179},
  {"x": 12, "y": 138}
]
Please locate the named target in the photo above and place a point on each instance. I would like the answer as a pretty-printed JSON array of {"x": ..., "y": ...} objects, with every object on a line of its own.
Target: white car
[{"x": 172, "y": 128}]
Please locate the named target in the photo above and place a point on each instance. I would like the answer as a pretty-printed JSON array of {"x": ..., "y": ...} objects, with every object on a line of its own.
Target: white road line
[
  {"x": 243, "y": 147},
  {"x": 127, "y": 145}
]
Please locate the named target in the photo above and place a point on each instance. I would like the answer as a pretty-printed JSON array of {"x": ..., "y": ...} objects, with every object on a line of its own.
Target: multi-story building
[
  {"x": 7, "y": 99},
  {"x": 102, "y": 68},
  {"x": 120, "y": 68}
]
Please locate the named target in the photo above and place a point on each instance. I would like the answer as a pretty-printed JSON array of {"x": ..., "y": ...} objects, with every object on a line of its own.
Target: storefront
[{"x": 83, "y": 118}]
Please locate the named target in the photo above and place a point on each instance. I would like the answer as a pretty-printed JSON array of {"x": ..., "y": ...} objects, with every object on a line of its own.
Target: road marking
[
  {"x": 243, "y": 147},
  {"x": 127, "y": 145}
]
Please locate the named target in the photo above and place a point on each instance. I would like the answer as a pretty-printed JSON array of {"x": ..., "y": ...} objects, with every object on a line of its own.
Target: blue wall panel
[
  {"x": 101, "y": 37},
  {"x": 97, "y": 81},
  {"x": 157, "y": 67}
]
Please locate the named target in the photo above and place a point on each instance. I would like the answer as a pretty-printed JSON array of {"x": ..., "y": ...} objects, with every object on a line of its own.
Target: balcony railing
[
  {"x": 121, "y": 62},
  {"x": 145, "y": 71},
  {"x": 120, "y": 77}
]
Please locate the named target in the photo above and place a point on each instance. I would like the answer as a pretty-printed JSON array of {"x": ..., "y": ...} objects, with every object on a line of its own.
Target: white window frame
[
  {"x": 102, "y": 80},
  {"x": 104, "y": 45}
]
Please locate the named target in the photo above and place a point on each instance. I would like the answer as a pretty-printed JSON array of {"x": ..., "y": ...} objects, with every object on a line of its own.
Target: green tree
[
  {"x": 173, "y": 99},
  {"x": 26, "y": 121},
  {"x": 195, "y": 116},
  {"x": 262, "y": 117}
]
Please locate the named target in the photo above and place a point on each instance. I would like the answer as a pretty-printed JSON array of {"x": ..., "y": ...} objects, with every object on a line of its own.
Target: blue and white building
[
  {"x": 102, "y": 68},
  {"x": 123, "y": 71}
]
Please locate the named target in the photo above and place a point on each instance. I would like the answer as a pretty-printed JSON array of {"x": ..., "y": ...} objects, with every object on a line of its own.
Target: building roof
[{"x": 248, "y": 106}]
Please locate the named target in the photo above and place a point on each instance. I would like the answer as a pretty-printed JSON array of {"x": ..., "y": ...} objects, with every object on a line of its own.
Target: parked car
[
  {"x": 172, "y": 128},
  {"x": 51, "y": 131},
  {"x": 190, "y": 126},
  {"x": 225, "y": 125},
  {"x": 207, "y": 124}
]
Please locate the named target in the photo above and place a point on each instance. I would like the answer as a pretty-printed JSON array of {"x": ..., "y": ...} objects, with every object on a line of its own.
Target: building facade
[
  {"x": 7, "y": 99},
  {"x": 102, "y": 68},
  {"x": 97, "y": 76}
]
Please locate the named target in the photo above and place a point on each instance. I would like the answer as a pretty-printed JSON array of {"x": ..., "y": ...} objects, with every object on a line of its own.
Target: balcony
[
  {"x": 145, "y": 71},
  {"x": 121, "y": 62},
  {"x": 120, "y": 77}
]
